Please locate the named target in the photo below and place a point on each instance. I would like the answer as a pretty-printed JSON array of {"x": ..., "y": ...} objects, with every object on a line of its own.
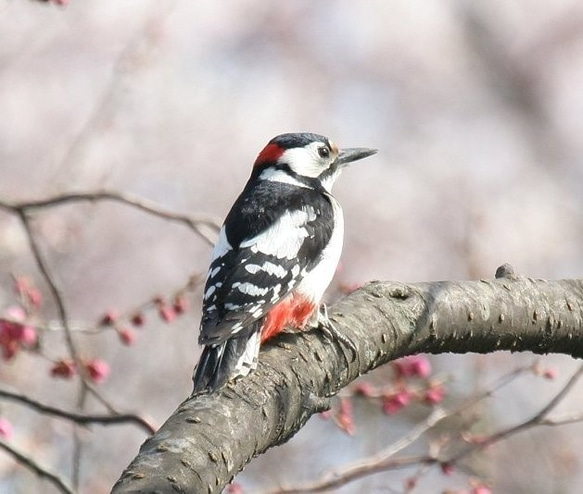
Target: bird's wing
[{"x": 262, "y": 253}]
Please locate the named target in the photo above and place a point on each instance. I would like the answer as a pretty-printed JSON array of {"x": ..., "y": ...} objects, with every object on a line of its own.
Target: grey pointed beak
[{"x": 346, "y": 156}]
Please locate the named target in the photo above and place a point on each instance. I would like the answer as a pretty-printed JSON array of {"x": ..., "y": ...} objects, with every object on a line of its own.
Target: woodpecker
[{"x": 276, "y": 254}]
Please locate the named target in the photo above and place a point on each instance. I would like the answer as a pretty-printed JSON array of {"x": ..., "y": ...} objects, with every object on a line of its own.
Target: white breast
[{"x": 315, "y": 282}]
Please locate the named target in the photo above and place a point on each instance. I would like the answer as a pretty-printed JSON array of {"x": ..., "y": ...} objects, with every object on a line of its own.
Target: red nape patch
[
  {"x": 270, "y": 154},
  {"x": 294, "y": 311}
]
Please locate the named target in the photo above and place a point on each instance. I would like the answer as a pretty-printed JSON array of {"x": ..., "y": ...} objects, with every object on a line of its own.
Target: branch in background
[
  {"x": 384, "y": 461},
  {"x": 206, "y": 226},
  {"x": 28, "y": 462},
  {"x": 210, "y": 438},
  {"x": 78, "y": 418}
]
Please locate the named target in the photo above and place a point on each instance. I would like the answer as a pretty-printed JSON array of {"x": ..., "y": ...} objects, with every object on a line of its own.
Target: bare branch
[
  {"x": 382, "y": 461},
  {"x": 78, "y": 418},
  {"x": 42, "y": 472},
  {"x": 206, "y": 226},
  {"x": 538, "y": 419}
]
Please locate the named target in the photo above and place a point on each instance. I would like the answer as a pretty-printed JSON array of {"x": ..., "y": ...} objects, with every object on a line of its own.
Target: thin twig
[
  {"x": 538, "y": 419},
  {"x": 383, "y": 460},
  {"x": 57, "y": 481},
  {"x": 194, "y": 222},
  {"x": 78, "y": 418}
]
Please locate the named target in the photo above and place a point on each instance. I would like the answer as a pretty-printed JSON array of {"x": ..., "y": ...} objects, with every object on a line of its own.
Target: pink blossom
[
  {"x": 481, "y": 489},
  {"x": 109, "y": 318},
  {"x": 434, "y": 394},
  {"x": 36, "y": 297},
  {"x": 28, "y": 336},
  {"x": 98, "y": 370},
  {"x": 64, "y": 368},
  {"x": 180, "y": 304},
  {"x": 447, "y": 468},
  {"x": 420, "y": 365},
  {"x": 127, "y": 336},
  {"x": 395, "y": 402},
  {"x": 16, "y": 313},
  {"x": 167, "y": 313},
  {"x": 13, "y": 334},
  {"x": 550, "y": 373},
  {"x": 235, "y": 488},
  {"x": 413, "y": 366},
  {"x": 5, "y": 428},
  {"x": 345, "y": 417}
]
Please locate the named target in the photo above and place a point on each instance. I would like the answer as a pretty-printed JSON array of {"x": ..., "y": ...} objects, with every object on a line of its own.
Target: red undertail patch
[{"x": 293, "y": 311}]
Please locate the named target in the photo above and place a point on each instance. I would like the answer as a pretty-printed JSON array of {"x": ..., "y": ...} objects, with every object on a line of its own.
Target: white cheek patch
[{"x": 305, "y": 161}]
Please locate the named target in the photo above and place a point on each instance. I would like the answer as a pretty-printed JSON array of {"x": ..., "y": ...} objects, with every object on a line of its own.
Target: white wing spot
[
  {"x": 274, "y": 269},
  {"x": 213, "y": 273},
  {"x": 276, "y": 289},
  {"x": 210, "y": 291},
  {"x": 252, "y": 268},
  {"x": 250, "y": 289},
  {"x": 295, "y": 270}
]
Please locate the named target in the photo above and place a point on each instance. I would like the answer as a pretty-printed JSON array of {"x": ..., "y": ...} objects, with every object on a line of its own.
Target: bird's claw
[{"x": 331, "y": 332}]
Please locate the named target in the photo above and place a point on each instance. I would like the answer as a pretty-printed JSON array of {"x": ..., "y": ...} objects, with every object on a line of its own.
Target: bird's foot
[{"x": 331, "y": 332}]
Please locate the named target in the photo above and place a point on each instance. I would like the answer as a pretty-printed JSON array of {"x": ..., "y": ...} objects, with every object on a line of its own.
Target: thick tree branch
[{"x": 210, "y": 438}]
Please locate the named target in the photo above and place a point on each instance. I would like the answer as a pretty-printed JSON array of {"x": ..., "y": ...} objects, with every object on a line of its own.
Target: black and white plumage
[{"x": 276, "y": 254}]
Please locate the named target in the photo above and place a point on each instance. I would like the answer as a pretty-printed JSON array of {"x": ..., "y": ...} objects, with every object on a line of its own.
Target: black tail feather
[{"x": 218, "y": 363}]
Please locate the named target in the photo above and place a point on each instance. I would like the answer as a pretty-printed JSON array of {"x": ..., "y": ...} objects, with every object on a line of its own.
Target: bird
[{"x": 276, "y": 253}]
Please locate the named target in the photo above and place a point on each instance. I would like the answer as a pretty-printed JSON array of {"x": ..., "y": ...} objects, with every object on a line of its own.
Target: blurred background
[{"x": 475, "y": 106}]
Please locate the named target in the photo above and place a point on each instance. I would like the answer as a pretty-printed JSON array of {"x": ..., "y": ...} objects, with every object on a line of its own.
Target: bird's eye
[{"x": 324, "y": 152}]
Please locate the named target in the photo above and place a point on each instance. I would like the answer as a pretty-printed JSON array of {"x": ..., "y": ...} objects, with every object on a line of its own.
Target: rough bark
[{"x": 210, "y": 438}]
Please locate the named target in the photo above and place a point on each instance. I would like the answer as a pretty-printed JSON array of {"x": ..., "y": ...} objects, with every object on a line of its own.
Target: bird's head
[{"x": 306, "y": 158}]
